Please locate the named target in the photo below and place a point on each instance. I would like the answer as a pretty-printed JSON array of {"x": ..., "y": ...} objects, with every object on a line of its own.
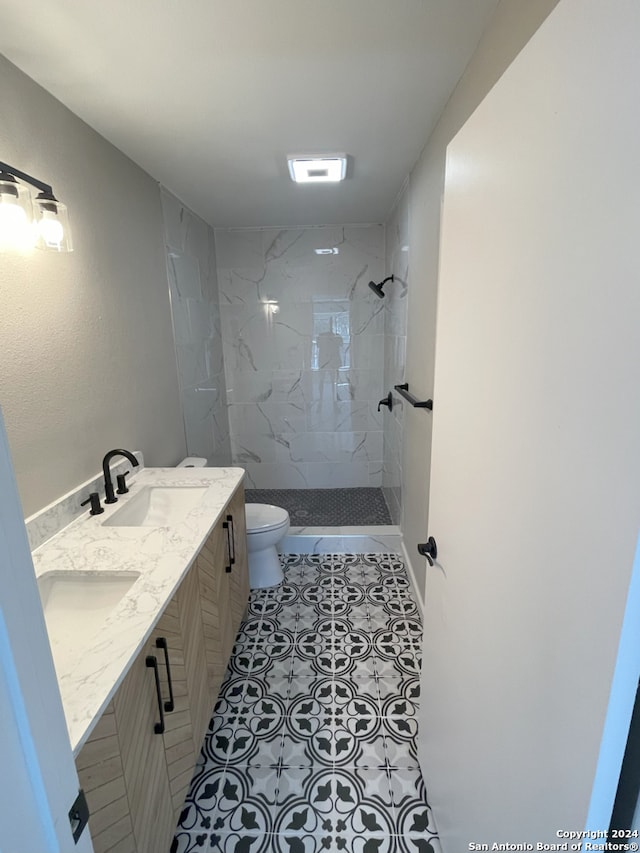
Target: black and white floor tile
[{"x": 312, "y": 746}]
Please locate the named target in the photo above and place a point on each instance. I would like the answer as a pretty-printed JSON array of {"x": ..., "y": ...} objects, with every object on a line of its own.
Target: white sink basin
[
  {"x": 157, "y": 506},
  {"x": 76, "y": 604}
]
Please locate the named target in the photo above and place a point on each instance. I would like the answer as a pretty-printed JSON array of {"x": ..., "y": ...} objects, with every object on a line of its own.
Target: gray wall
[
  {"x": 88, "y": 359},
  {"x": 513, "y": 25}
]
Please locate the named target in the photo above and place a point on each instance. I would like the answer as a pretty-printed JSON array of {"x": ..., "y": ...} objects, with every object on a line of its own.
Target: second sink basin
[{"x": 157, "y": 506}]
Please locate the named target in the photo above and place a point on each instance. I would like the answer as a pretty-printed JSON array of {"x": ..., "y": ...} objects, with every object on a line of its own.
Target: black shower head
[{"x": 377, "y": 288}]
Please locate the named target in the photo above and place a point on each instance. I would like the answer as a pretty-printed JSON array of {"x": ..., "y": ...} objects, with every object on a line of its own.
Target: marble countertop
[{"x": 162, "y": 557}]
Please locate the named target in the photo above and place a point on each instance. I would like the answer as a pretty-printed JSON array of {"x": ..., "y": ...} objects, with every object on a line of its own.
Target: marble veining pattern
[
  {"x": 193, "y": 285},
  {"x": 303, "y": 340},
  {"x": 381, "y": 539},
  {"x": 161, "y": 555}
]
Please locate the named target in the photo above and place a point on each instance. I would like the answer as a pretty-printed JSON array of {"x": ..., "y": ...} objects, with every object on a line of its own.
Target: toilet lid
[{"x": 261, "y": 517}]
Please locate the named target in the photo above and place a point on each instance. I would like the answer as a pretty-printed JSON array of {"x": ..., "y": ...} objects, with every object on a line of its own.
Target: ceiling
[{"x": 209, "y": 96}]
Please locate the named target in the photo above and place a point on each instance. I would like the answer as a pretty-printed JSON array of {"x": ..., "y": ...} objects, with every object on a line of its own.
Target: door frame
[{"x": 40, "y": 782}]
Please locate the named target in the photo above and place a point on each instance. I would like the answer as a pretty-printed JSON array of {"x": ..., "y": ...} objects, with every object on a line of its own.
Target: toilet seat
[{"x": 264, "y": 517}]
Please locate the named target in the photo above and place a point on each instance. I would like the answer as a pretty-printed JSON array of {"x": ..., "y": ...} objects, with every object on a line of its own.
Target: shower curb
[{"x": 380, "y": 539}]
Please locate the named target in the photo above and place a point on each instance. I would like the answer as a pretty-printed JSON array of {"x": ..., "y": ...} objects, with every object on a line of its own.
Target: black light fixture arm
[{"x": 28, "y": 179}]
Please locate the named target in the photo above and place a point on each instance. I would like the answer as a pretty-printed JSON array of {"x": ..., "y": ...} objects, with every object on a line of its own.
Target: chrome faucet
[{"x": 110, "y": 498}]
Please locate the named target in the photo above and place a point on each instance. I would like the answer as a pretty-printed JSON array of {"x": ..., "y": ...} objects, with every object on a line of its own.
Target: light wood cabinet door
[
  {"x": 123, "y": 768},
  {"x": 195, "y": 661},
  {"x": 101, "y": 777},
  {"x": 178, "y": 737},
  {"x": 224, "y": 588},
  {"x": 239, "y": 576},
  {"x": 213, "y": 583},
  {"x": 143, "y": 754}
]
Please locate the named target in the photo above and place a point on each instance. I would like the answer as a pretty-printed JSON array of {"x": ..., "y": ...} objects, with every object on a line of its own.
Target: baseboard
[{"x": 412, "y": 580}]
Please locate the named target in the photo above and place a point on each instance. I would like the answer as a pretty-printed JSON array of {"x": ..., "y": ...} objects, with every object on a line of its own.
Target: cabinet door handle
[
  {"x": 151, "y": 661},
  {"x": 232, "y": 556},
  {"x": 225, "y": 524},
  {"x": 161, "y": 643}
]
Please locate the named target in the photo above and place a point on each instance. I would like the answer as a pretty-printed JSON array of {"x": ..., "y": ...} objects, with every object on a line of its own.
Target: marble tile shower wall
[
  {"x": 395, "y": 338},
  {"x": 303, "y": 341},
  {"x": 193, "y": 283}
]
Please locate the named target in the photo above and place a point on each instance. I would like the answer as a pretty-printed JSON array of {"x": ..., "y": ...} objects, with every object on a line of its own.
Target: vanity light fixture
[
  {"x": 28, "y": 219},
  {"x": 306, "y": 169}
]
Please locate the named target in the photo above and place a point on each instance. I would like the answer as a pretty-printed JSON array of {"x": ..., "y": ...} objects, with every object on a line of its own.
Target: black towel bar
[{"x": 403, "y": 390}]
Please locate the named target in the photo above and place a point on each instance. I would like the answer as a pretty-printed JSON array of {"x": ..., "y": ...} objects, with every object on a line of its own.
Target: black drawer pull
[
  {"x": 151, "y": 661},
  {"x": 226, "y": 526},
  {"x": 233, "y": 540},
  {"x": 161, "y": 643}
]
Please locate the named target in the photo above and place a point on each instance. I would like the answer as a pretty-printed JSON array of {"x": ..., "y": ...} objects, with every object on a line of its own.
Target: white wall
[
  {"x": 536, "y": 462},
  {"x": 88, "y": 360},
  {"x": 513, "y": 25}
]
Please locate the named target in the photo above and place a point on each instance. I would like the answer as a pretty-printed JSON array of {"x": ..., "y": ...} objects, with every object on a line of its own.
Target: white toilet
[{"x": 266, "y": 526}]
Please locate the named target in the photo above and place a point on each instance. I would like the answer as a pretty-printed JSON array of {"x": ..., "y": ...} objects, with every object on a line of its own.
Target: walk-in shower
[{"x": 281, "y": 363}]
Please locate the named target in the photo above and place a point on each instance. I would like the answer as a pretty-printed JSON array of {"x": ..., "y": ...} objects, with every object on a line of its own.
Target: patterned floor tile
[
  {"x": 240, "y": 842},
  {"x": 312, "y": 745},
  {"x": 399, "y": 755},
  {"x": 399, "y": 696}
]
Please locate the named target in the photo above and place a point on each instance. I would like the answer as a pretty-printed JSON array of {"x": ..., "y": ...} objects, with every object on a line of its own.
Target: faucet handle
[
  {"x": 386, "y": 401},
  {"x": 122, "y": 483},
  {"x": 94, "y": 500}
]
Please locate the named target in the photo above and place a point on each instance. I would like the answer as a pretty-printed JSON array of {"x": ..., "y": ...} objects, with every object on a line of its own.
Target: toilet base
[{"x": 264, "y": 568}]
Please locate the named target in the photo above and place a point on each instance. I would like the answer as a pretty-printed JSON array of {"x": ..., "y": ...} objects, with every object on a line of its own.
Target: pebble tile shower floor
[
  {"x": 312, "y": 746},
  {"x": 326, "y": 507}
]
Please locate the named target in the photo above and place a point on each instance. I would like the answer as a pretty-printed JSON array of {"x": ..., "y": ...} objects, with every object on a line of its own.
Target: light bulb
[
  {"x": 51, "y": 230},
  {"x": 15, "y": 230},
  {"x": 51, "y": 224}
]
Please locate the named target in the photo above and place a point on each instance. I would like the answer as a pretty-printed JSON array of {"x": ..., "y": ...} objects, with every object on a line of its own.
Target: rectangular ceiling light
[{"x": 315, "y": 170}]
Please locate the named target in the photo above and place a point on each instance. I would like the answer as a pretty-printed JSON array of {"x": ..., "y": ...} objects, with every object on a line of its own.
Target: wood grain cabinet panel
[
  {"x": 143, "y": 754},
  {"x": 136, "y": 780},
  {"x": 239, "y": 577},
  {"x": 178, "y": 740},
  {"x": 101, "y": 776},
  {"x": 192, "y": 629},
  {"x": 213, "y": 581}
]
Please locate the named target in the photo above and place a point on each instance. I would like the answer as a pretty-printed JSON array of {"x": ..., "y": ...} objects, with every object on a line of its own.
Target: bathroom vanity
[{"x": 139, "y": 692}]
